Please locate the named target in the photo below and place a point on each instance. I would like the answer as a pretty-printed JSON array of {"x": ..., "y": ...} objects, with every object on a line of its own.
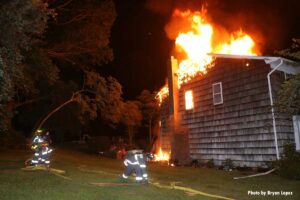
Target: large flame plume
[{"x": 196, "y": 39}]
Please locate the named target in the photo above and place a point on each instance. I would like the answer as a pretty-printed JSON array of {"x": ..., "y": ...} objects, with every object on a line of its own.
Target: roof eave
[{"x": 288, "y": 66}]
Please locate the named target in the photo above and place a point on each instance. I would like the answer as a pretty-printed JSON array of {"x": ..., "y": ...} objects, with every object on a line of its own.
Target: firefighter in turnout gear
[
  {"x": 132, "y": 166},
  {"x": 36, "y": 146},
  {"x": 46, "y": 150},
  {"x": 142, "y": 159},
  {"x": 42, "y": 151}
]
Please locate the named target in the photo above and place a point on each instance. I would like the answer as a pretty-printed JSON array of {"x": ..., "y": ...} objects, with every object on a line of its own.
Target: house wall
[{"x": 240, "y": 129}]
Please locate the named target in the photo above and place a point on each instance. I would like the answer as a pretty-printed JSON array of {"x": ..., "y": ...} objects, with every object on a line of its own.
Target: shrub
[
  {"x": 228, "y": 165},
  {"x": 210, "y": 163},
  {"x": 289, "y": 164}
]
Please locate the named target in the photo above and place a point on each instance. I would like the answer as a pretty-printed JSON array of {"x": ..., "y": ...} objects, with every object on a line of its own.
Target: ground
[{"x": 83, "y": 169}]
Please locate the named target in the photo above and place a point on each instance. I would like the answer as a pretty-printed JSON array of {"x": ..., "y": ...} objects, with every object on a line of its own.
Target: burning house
[{"x": 220, "y": 105}]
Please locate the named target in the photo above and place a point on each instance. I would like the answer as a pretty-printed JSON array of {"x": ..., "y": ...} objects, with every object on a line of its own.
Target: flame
[
  {"x": 197, "y": 42},
  {"x": 240, "y": 44},
  {"x": 162, "y": 94},
  {"x": 161, "y": 156}
]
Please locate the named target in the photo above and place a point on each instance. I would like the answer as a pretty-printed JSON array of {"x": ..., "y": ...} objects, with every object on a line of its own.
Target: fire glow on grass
[{"x": 196, "y": 40}]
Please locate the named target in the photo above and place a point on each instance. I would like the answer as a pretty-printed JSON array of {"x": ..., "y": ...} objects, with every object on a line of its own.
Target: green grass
[{"x": 82, "y": 169}]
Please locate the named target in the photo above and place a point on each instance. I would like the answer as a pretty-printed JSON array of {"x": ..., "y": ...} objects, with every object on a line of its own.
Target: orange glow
[
  {"x": 189, "y": 101},
  {"x": 240, "y": 44},
  {"x": 162, "y": 94},
  {"x": 196, "y": 42},
  {"x": 161, "y": 156}
]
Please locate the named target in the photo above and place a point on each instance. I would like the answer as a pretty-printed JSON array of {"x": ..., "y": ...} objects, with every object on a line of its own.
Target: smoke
[
  {"x": 166, "y": 7},
  {"x": 163, "y": 7},
  {"x": 272, "y": 23}
]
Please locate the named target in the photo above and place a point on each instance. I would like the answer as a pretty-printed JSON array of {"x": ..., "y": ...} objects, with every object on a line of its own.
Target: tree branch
[
  {"x": 72, "y": 99},
  {"x": 29, "y": 102},
  {"x": 78, "y": 17},
  {"x": 62, "y": 6}
]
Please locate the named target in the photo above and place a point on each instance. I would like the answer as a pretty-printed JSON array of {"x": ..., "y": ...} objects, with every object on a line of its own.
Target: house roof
[{"x": 287, "y": 66}]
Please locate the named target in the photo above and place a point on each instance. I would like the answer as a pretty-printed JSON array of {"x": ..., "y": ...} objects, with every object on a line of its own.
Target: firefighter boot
[{"x": 123, "y": 180}]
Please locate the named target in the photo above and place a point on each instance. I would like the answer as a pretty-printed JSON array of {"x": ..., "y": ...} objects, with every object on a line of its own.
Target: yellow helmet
[
  {"x": 33, "y": 147},
  {"x": 38, "y": 131}
]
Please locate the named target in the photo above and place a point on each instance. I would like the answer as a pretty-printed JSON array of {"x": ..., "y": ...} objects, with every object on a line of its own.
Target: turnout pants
[{"x": 133, "y": 168}]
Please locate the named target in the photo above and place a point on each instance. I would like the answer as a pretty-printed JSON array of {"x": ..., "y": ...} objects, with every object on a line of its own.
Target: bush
[
  {"x": 210, "y": 163},
  {"x": 289, "y": 164},
  {"x": 228, "y": 165}
]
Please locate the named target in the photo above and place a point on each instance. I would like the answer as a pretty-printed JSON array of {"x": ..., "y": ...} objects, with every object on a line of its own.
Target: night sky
[{"x": 142, "y": 48}]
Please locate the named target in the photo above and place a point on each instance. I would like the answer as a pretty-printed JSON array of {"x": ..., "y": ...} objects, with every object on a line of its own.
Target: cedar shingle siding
[{"x": 240, "y": 128}]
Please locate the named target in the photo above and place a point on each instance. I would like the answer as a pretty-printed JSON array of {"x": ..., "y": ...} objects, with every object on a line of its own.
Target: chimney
[
  {"x": 178, "y": 135},
  {"x": 173, "y": 94}
]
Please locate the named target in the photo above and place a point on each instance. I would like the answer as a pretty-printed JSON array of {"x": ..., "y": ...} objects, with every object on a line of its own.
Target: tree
[
  {"x": 22, "y": 24},
  {"x": 37, "y": 40},
  {"x": 150, "y": 111},
  {"x": 98, "y": 96},
  {"x": 81, "y": 31},
  {"x": 131, "y": 118},
  {"x": 288, "y": 99},
  {"x": 293, "y": 52},
  {"x": 78, "y": 38}
]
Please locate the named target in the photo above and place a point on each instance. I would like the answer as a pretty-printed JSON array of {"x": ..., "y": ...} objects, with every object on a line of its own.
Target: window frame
[{"x": 219, "y": 93}]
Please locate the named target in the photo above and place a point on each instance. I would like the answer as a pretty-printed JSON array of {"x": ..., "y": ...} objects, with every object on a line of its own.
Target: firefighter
[
  {"x": 46, "y": 137},
  {"x": 46, "y": 150},
  {"x": 36, "y": 146},
  {"x": 45, "y": 157},
  {"x": 40, "y": 145},
  {"x": 132, "y": 165},
  {"x": 142, "y": 159}
]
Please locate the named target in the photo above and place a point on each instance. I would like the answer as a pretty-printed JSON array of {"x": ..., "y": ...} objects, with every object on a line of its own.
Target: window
[
  {"x": 217, "y": 93},
  {"x": 189, "y": 101}
]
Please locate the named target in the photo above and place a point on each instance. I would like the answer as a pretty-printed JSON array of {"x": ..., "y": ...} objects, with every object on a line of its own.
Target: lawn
[{"x": 83, "y": 169}]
